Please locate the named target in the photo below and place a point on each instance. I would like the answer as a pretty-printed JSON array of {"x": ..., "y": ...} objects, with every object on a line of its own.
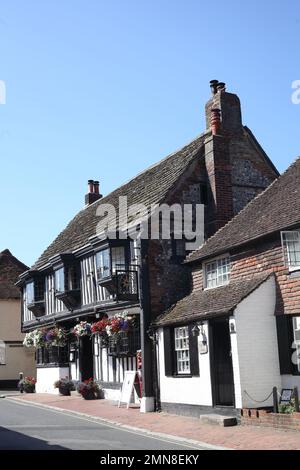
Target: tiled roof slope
[
  {"x": 211, "y": 302},
  {"x": 10, "y": 269},
  {"x": 149, "y": 187},
  {"x": 276, "y": 208}
]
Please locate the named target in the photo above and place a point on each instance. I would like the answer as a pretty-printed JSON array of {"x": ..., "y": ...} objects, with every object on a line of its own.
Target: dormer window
[
  {"x": 291, "y": 249},
  {"x": 217, "y": 272}
]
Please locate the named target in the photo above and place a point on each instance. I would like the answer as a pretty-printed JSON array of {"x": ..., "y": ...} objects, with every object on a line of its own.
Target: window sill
[
  {"x": 52, "y": 364},
  {"x": 294, "y": 270},
  {"x": 182, "y": 376}
]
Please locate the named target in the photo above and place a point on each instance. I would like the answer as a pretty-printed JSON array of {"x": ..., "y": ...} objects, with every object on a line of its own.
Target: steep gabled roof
[
  {"x": 149, "y": 187},
  {"x": 276, "y": 208},
  {"x": 210, "y": 302},
  {"x": 10, "y": 269}
]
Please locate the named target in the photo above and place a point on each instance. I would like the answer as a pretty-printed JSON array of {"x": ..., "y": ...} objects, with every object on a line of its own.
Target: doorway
[
  {"x": 86, "y": 358},
  {"x": 222, "y": 371}
]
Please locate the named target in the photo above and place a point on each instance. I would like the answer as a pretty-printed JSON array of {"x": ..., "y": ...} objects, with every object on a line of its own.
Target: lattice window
[
  {"x": 217, "y": 272},
  {"x": 291, "y": 248}
]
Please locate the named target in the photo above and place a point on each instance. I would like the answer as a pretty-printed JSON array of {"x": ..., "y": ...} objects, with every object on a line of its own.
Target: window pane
[
  {"x": 217, "y": 273},
  {"x": 30, "y": 293},
  {"x": 291, "y": 247},
  {"x": 117, "y": 258},
  {"x": 296, "y": 331},
  {"x": 181, "y": 335},
  {"x": 60, "y": 280},
  {"x": 103, "y": 263}
]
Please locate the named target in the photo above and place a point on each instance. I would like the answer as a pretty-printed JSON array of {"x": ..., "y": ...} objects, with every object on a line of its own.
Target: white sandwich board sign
[{"x": 127, "y": 387}]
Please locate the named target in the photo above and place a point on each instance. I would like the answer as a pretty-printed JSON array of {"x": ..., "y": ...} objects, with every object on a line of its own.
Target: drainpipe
[
  {"x": 153, "y": 335},
  {"x": 147, "y": 402}
]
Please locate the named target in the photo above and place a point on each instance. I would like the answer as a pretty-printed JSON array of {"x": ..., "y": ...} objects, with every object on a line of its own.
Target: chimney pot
[
  {"x": 221, "y": 87},
  {"x": 215, "y": 121},
  {"x": 91, "y": 186},
  {"x": 96, "y": 187},
  {"x": 93, "y": 192},
  {"x": 213, "y": 86}
]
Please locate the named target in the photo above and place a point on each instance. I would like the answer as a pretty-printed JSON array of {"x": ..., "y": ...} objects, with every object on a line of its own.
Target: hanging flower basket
[
  {"x": 43, "y": 337},
  {"x": 112, "y": 329},
  {"x": 82, "y": 329},
  {"x": 56, "y": 337}
]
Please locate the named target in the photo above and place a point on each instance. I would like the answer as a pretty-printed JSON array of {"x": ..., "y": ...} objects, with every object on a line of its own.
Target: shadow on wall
[{"x": 11, "y": 440}]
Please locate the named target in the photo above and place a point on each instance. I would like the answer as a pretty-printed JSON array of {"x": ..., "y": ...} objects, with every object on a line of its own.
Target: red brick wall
[
  {"x": 265, "y": 256},
  {"x": 264, "y": 418}
]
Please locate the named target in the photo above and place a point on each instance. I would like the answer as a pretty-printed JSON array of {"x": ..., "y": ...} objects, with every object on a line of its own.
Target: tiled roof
[
  {"x": 149, "y": 187},
  {"x": 210, "y": 302},
  {"x": 10, "y": 269},
  {"x": 276, "y": 208}
]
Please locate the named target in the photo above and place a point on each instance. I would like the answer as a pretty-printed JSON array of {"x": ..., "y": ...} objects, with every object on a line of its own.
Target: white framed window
[
  {"x": 2, "y": 353},
  {"x": 296, "y": 338},
  {"x": 291, "y": 249},
  {"x": 182, "y": 350},
  {"x": 217, "y": 272}
]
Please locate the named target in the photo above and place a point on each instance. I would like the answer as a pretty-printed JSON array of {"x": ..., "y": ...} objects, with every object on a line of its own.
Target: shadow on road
[{"x": 12, "y": 440}]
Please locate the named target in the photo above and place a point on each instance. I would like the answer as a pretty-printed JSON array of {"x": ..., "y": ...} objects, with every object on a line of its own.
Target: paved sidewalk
[{"x": 236, "y": 437}]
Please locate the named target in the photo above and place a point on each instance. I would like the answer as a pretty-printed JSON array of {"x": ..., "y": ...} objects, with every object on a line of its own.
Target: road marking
[{"x": 168, "y": 438}]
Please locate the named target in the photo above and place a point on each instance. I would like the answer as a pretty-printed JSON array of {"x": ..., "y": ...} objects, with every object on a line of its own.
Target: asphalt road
[{"x": 27, "y": 427}]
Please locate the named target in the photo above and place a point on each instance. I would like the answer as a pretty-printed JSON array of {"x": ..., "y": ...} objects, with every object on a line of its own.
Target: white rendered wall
[
  {"x": 187, "y": 390},
  {"x": 254, "y": 347},
  {"x": 46, "y": 376}
]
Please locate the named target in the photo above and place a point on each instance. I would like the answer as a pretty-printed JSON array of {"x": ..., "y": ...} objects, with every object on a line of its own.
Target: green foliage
[{"x": 287, "y": 408}]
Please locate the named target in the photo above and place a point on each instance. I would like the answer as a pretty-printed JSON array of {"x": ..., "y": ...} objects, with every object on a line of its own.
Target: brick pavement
[{"x": 237, "y": 437}]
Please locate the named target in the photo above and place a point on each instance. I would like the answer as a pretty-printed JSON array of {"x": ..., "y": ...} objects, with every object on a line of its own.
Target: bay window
[
  {"x": 217, "y": 272},
  {"x": 109, "y": 260},
  {"x": 35, "y": 296},
  {"x": 66, "y": 279}
]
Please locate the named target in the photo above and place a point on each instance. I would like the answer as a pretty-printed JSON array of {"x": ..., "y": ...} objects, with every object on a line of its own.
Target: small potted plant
[
  {"x": 65, "y": 386},
  {"x": 27, "y": 385},
  {"x": 89, "y": 389}
]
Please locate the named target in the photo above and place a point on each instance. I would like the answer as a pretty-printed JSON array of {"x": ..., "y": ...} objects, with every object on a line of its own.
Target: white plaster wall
[
  {"x": 255, "y": 348},
  {"x": 290, "y": 381},
  {"x": 188, "y": 390},
  {"x": 46, "y": 376},
  {"x": 74, "y": 370}
]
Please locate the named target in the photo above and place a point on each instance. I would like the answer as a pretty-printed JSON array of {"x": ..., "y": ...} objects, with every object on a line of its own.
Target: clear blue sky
[{"x": 102, "y": 89}]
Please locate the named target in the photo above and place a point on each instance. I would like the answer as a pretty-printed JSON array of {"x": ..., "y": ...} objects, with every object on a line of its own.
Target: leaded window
[
  {"x": 217, "y": 272},
  {"x": 291, "y": 248}
]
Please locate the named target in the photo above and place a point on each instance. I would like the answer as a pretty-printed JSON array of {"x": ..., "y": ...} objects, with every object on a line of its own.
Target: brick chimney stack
[
  {"x": 223, "y": 119},
  {"x": 93, "y": 192},
  {"x": 229, "y": 106}
]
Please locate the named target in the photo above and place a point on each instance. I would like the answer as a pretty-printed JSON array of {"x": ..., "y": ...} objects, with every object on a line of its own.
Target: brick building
[
  {"x": 222, "y": 169},
  {"x": 244, "y": 307},
  {"x": 14, "y": 358}
]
